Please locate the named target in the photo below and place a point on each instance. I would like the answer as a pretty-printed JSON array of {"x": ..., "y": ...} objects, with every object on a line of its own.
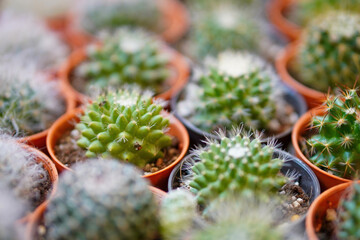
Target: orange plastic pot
[
  {"x": 159, "y": 178},
  {"x": 38, "y": 215},
  {"x": 317, "y": 212},
  {"x": 178, "y": 80},
  {"x": 312, "y": 97},
  {"x": 59, "y": 24},
  {"x": 326, "y": 180},
  {"x": 276, "y": 10}
]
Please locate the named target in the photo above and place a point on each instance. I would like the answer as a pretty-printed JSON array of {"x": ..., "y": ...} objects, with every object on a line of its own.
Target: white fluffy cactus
[{"x": 29, "y": 37}]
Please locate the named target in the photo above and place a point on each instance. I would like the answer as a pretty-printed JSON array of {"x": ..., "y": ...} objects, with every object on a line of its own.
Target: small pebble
[
  {"x": 282, "y": 192},
  {"x": 296, "y": 204},
  {"x": 300, "y": 200},
  {"x": 159, "y": 162},
  {"x": 41, "y": 230},
  {"x": 295, "y": 217},
  {"x": 331, "y": 215},
  {"x": 293, "y": 198},
  {"x": 296, "y": 183}
]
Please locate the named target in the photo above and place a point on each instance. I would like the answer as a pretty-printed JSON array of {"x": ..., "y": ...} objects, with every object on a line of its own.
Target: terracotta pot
[
  {"x": 178, "y": 64},
  {"x": 326, "y": 180},
  {"x": 174, "y": 17},
  {"x": 58, "y": 24},
  {"x": 38, "y": 215},
  {"x": 312, "y": 97},
  {"x": 327, "y": 200},
  {"x": 276, "y": 10},
  {"x": 159, "y": 179}
]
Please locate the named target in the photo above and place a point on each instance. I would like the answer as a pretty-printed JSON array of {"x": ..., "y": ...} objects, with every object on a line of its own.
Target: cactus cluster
[
  {"x": 108, "y": 15},
  {"x": 130, "y": 56},
  {"x": 102, "y": 199},
  {"x": 125, "y": 125},
  {"x": 335, "y": 147},
  {"x": 329, "y": 53},
  {"x": 236, "y": 166}
]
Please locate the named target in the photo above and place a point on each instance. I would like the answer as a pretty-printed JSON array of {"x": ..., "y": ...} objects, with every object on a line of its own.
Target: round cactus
[
  {"x": 329, "y": 53},
  {"x": 127, "y": 57},
  {"x": 125, "y": 125},
  {"x": 236, "y": 166},
  {"x": 177, "y": 213},
  {"x": 102, "y": 199},
  {"x": 335, "y": 147}
]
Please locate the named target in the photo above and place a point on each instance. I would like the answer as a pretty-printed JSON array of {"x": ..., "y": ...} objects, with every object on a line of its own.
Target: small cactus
[
  {"x": 127, "y": 57},
  {"x": 125, "y": 125},
  {"x": 177, "y": 213},
  {"x": 102, "y": 199},
  {"x": 335, "y": 147},
  {"x": 329, "y": 53}
]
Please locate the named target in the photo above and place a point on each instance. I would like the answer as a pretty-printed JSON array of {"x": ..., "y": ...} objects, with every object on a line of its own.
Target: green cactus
[
  {"x": 329, "y": 53},
  {"x": 130, "y": 56},
  {"x": 236, "y": 166},
  {"x": 100, "y": 15},
  {"x": 349, "y": 224},
  {"x": 335, "y": 147},
  {"x": 177, "y": 213},
  {"x": 125, "y": 125},
  {"x": 102, "y": 199}
]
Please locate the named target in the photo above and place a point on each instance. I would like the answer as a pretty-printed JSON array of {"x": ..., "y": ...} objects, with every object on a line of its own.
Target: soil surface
[{"x": 41, "y": 192}]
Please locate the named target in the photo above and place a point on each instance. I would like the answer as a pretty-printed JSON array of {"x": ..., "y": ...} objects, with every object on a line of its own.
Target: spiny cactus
[
  {"x": 127, "y": 57},
  {"x": 102, "y": 199},
  {"x": 329, "y": 53},
  {"x": 177, "y": 213},
  {"x": 335, "y": 147},
  {"x": 29, "y": 102},
  {"x": 108, "y": 15},
  {"x": 20, "y": 171},
  {"x": 349, "y": 224},
  {"x": 239, "y": 166},
  {"x": 29, "y": 37},
  {"x": 125, "y": 125}
]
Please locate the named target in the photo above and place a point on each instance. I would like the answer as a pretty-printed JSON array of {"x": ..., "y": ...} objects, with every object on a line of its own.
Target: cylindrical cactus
[
  {"x": 335, "y": 147},
  {"x": 329, "y": 53},
  {"x": 125, "y": 125},
  {"x": 102, "y": 199}
]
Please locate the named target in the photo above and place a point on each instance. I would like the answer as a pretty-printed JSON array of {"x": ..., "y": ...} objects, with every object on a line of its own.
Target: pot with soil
[
  {"x": 241, "y": 88},
  {"x": 128, "y": 57},
  {"x": 314, "y": 73},
  {"x": 136, "y": 131},
  {"x": 168, "y": 18}
]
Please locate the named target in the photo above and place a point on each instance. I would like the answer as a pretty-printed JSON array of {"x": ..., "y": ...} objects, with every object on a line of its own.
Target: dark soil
[
  {"x": 69, "y": 153},
  {"x": 329, "y": 226},
  {"x": 40, "y": 194}
]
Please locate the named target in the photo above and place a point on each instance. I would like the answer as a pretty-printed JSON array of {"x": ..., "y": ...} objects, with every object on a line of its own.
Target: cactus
[
  {"x": 335, "y": 147},
  {"x": 124, "y": 125},
  {"x": 102, "y": 199},
  {"x": 349, "y": 218},
  {"x": 177, "y": 213},
  {"x": 100, "y": 15},
  {"x": 29, "y": 103},
  {"x": 329, "y": 53},
  {"x": 20, "y": 172},
  {"x": 127, "y": 57},
  {"x": 239, "y": 166}
]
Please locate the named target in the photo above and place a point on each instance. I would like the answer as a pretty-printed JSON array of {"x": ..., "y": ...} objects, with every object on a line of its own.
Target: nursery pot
[
  {"x": 38, "y": 216},
  {"x": 159, "y": 178},
  {"x": 175, "y": 19},
  {"x": 198, "y": 136},
  {"x": 326, "y": 180},
  {"x": 312, "y": 97},
  {"x": 178, "y": 65},
  {"x": 275, "y": 11},
  {"x": 327, "y": 200}
]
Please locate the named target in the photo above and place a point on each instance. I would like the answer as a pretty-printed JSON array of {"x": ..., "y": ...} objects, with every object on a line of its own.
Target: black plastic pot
[{"x": 197, "y": 136}]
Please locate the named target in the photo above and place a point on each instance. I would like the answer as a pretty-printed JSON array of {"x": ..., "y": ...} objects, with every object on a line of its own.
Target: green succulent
[
  {"x": 130, "y": 56},
  {"x": 102, "y": 199},
  {"x": 125, "y": 125},
  {"x": 335, "y": 147},
  {"x": 329, "y": 53}
]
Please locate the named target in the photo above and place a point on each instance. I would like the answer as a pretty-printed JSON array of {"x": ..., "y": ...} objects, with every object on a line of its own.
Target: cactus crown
[
  {"x": 335, "y": 147},
  {"x": 127, "y": 57},
  {"x": 108, "y": 15},
  {"x": 102, "y": 199},
  {"x": 236, "y": 166},
  {"x": 330, "y": 51},
  {"x": 125, "y": 125}
]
